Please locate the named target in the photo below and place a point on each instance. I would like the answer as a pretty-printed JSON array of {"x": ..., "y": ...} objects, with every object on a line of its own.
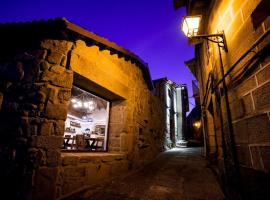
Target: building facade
[
  {"x": 75, "y": 110},
  {"x": 194, "y": 134},
  {"x": 234, "y": 92},
  {"x": 175, "y": 100}
]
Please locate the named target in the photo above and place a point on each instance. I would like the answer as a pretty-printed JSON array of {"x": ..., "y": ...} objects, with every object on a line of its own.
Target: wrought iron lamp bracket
[{"x": 218, "y": 38}]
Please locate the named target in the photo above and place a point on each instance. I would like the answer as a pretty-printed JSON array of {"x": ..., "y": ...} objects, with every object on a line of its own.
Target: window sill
[{"x": 74, "y": 158}]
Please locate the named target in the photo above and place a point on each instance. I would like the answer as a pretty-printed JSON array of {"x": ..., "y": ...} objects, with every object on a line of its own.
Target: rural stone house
[{"x": 75, "y": 109}]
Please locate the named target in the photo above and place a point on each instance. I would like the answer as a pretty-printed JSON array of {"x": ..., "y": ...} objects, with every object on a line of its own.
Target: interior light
[
  {"x": 91, "y": 107},
  {"x": 85, "y": 104},
  {"x": 197, "y": 124},
  {"x": 73, "y": 100},
  {"x": 79, "y": 103}
]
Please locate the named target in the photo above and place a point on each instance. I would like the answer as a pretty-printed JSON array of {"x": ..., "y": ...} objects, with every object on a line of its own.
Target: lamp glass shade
[{"x": 190, "y": 25}]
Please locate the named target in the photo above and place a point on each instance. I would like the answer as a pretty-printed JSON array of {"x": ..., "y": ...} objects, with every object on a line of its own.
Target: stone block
[
  {"x": 44, "y": 65},
  {"x": 107, "y": 158},
  {"x": 52, "y": 92},
  {"x": 126, "y": 142},
  {"x": 237, "y": 109},
  {"x": 242, "y": 41},
  {"x": 53, "y": 157},
  {"x": 248, "y": 8},
  {"x": 46, "y": 128},
  {"x": 114, "y": 149},
  {"x": 74, "y": 171},
  {"x": 246, "y": 86},
  {"x": 243, "y": 155},
  {"x": 63, "y": 62},
  {"x": 61, "y": 45},
  {"x": 55, "y": 57},
  {"x": 265, "y": 154},
  {"x": 261, "y": 97},
  {"x": 258, "y": 129},
  {"x": 119, "y": 167},
  {"x": 103, "y": 171},
  {"x": 58, "y": 127},
  {"x": 57, "y": 69},
  {"x": 72, "y": 184},
  {"x": 56, "y": 111},
  {"x": 37, "y": 157},
  {"x": 114, "y": 142},
  {"x": 64, "y": 80},
  {"x": 267, "y": 23},
  {"x": 236, "y": 6},
  {"x": 39, "y": 54},
  {"x": 70, "y": 160},
  {"x": 41, "y": 97},
  {"x": 252, "y": 130},
  {"x": 266, "y": 61},
  {"x": 89, "y": 159},
  {"x": 116, "y": 116},
  {"x": 224, "y": 22},
  {"x": 236, "y": 24},
  {"x": 47, "y": 142},
  {"x": 248, "y": 104},
  {"x": 241, "y": 136},
  {"x": 64, "y": 95},
  {"x": 264, "y": 43},
  {"x": 45, "y": 183},
  {"x": 116, "y": 128},
  {"x": 91, "y": 174},
  {"x": 263, "y": 75},
  {"x": 97, "y": 173},
  {"x": 256, "y": 157}
]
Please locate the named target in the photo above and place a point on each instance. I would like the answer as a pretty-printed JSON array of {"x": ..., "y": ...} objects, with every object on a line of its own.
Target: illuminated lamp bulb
[
  {"x": 91, "y": 107},
  {"x": 73, "y": 100},
  {"x": 197, "y": 124},
  {"x": 79, "y": 103},
  {"x": 85, "y": 104}
]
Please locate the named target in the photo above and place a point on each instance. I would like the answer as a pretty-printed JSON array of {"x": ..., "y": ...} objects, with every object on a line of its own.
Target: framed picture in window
[{"x": 75, "y": 124}]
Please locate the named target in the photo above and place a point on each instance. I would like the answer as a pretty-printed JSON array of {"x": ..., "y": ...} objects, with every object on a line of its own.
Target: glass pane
[{"x": 87, "y": 122}]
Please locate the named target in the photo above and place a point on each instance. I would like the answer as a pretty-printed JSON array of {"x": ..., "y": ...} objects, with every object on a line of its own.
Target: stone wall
[
  {"x": 36, "y": 83},
  {"x": 246, "y": 149}
]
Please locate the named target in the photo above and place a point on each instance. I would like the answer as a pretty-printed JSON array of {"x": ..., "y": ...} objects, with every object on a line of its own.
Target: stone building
[
  {"x": 236, "y": 103},
  {"x": 75, "y": 110},
  {"x": 194, "y": 134},
  {"x": 175, "y": 99}
]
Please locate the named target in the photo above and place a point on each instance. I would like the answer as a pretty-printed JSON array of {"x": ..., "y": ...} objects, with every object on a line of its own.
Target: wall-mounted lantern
[{"x": 191, "y": 25}]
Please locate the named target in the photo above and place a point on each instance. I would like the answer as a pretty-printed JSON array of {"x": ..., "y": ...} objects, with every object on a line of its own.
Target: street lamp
[{"x": 191, "y": 25}]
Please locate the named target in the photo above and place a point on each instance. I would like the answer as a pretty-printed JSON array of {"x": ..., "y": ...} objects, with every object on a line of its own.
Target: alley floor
[{"x": 178, "y": 174}]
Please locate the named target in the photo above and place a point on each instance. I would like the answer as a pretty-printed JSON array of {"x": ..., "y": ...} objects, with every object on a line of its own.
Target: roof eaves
[{"x": 112, "y": 47}]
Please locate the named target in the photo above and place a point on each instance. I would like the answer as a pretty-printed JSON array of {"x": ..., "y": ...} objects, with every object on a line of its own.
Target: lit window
[{"x": 87, "y": 122}]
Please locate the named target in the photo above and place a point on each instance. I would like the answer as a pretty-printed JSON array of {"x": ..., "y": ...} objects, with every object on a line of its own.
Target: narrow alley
[{"x": 176, "y": 174}]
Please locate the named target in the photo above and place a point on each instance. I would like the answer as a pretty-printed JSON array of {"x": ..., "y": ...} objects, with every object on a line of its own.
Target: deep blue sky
[{"x": 148, "y": 28}]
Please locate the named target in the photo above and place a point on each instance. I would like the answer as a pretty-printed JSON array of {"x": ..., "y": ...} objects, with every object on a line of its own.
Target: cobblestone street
[{"x": 178, "y": 174}]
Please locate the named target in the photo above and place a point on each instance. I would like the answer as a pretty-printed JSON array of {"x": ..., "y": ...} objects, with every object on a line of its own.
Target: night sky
[{"x": 148, "y": 28}]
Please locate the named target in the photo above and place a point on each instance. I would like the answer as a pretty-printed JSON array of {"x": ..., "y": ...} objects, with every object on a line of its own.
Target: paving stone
[{"x": 179, "y": 174}]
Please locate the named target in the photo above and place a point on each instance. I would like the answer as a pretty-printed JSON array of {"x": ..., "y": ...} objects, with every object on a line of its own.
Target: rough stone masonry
[{"x": 39, "y": 63}]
